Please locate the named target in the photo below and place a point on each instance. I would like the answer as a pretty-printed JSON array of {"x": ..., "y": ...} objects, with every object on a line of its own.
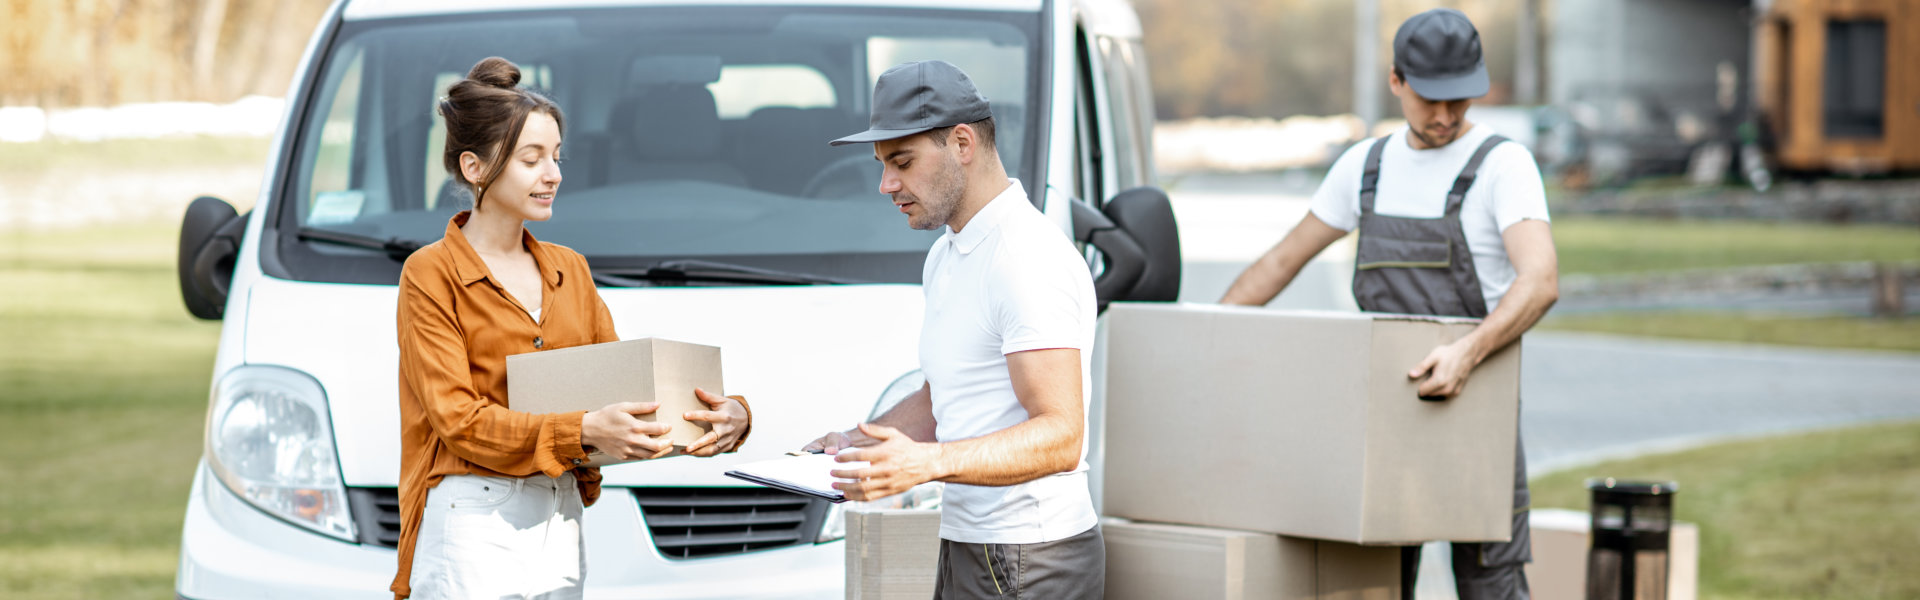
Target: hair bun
[{"x": 495, "y": 71}]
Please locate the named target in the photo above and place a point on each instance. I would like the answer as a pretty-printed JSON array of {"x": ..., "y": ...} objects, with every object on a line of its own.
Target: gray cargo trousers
[
  {"x": 1070, "y": 568},
  {"x": 1490, "y": 570}
]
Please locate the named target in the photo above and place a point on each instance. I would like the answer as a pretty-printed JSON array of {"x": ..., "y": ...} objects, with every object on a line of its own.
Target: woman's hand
[
  {"x": 729, "y": 418},
  {"x": 613, "y": 430}
]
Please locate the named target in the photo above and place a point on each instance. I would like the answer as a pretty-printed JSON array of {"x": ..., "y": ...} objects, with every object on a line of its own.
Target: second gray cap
[
  {"x": 917, "y": 97},
  {"x": 1438, "y": 53}
]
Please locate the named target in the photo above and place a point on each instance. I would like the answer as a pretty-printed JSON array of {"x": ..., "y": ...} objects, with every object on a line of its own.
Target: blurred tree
[
  {"x": 1276, "y": 58},
  {"x": 1269, "y": 58},
  {"x": 102, "y": 52}
]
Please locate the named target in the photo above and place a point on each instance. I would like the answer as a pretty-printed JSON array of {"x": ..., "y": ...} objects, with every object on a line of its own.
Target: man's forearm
[
  {"x": 912, "y": 416},
  {"x": 1525, "y": 303},
  {"x": 1263, "y": 279},
  {"x": 1274, "y": 270},
  {"x": 1042, "y": 445}
]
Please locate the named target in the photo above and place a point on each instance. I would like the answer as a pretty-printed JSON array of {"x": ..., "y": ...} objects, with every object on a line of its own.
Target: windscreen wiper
[
  {"x": 396, "y": 248},
  {"x": 686, "y": 271}
]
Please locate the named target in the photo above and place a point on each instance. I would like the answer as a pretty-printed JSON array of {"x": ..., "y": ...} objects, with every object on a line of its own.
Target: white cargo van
[{"x": 700, "y": 186}]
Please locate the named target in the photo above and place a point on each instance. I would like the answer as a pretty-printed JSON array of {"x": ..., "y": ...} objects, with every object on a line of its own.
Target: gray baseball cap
[
  {"x": 1438, "y": 53},
  {"x": 920, "y": 96}
]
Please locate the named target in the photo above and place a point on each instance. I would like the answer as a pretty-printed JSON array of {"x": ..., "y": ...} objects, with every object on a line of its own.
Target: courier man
[
  {"x": 1006, "y": 346},
  {"x": 1453, "y": 221}
]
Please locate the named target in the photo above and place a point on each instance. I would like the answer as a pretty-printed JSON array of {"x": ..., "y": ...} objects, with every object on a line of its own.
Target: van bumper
[{"x": 230, "y": 549}]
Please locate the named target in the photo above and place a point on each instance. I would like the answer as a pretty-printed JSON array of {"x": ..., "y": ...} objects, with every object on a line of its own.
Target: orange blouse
[{"x": 457, "y": 327}]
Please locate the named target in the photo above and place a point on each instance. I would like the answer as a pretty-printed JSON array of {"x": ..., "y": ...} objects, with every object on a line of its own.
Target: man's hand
[
  {"x": 613, "y": 430},
  {"x": 1446, "y": 370},
  {"x": 894, "y": 465},
  {"x": 833, "y": 443},
  {"x": 728, "y": 417}
]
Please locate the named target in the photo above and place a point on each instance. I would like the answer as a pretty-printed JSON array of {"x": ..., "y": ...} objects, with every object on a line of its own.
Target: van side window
[
  {"x": 1119, "y": 64},
  {"x": 1086, "y": 130}
]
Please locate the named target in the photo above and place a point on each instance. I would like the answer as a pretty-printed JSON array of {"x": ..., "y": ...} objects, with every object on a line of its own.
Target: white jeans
[{"x": 500, "y": 537}]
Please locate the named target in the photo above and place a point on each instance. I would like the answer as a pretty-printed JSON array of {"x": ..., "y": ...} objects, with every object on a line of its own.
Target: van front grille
[
  {"x": 693, "y": 522},
  {"x": 376, "y": 512},
  {"x": 685, "y": 522}
]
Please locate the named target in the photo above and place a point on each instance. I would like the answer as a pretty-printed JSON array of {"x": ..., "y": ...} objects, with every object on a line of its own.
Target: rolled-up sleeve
[{"x": 434, "y": 363}]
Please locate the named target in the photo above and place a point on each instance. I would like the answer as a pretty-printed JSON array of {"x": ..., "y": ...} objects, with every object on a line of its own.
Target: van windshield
[{"x": 693, "y": 134}]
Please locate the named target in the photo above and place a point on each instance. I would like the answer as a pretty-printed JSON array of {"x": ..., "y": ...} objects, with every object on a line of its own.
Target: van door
[{"x": 1113, "y": 124}]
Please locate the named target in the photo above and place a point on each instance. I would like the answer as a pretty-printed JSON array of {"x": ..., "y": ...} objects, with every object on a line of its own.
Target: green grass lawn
[
  {"x": 100, "y": 426},
  {"x": 1614, "y": 245},
  {"x": 197, "y": 151},
  {"x": 1833, "y": 514},
  {"x": 1759, "y": 328}
]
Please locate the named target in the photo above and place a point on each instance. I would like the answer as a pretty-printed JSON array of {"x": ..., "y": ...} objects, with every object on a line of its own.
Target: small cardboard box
[
  {"x": 1562, "y": 538},
  {"x": 1303, "y": 423},
  {"x": 892, "y": 554},
  {"x": 1150, "y": 561},
  {"x": 643, "y": 370}
]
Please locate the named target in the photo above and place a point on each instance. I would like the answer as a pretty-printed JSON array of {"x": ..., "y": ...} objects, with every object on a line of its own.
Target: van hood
[{"x": 810, "y": 359}]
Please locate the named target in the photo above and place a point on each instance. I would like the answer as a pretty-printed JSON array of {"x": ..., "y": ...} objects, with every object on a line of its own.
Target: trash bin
[{"x": 1631, "y": 525}]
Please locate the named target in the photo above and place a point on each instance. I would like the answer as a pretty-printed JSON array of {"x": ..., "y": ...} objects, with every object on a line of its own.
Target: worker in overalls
[{"x": 1453, "y": 221}]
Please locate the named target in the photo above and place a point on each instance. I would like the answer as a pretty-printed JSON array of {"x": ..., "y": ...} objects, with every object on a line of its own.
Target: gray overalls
[{"x": 1424, "y": 267}]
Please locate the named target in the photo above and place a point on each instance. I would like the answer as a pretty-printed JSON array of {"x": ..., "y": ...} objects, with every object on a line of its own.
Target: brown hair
[
  {"x": 485, "y": 113},
  {"x": 982, "y": 129}
]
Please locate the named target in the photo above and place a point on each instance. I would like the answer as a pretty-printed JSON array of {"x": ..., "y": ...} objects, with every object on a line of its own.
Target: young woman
[{"x": 490, "y": 498}]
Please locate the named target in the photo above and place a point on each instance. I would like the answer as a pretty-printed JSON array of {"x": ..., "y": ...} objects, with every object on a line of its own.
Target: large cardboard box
[
  {"x": 1153, "y": 561},
  {"x": 892, "y": 553},
  {"x": 593, "y": 376},
  {"x": 1561, "y": 539},
  {"x": 1303, "y": 423}
]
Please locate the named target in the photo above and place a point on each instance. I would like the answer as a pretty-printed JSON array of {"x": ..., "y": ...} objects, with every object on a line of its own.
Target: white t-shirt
[
  {"x": 1414, "y": 183},
  {"x": 1010, "y": 281}
]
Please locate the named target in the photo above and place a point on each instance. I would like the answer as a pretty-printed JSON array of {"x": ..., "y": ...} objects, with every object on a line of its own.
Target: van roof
[{"x": 376, "y": 9}]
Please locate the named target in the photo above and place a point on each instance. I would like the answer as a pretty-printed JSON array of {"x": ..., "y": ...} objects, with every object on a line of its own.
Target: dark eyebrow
[{"x": 894, "y": 154}]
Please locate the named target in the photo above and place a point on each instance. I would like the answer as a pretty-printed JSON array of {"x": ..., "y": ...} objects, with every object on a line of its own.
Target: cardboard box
[
  {"x": 1303, "y": 423},
  {"x": 643, "y": 370},
  {"x": 1151, "y": 561},
  {"x": 892, "y": 554},
  {"x": 1560, "y": 544}
]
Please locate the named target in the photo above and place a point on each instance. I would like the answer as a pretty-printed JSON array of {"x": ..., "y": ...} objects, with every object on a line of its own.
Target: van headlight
[
  {"x": 925, "y": 496},
  {"x": 269, "y": 439}
]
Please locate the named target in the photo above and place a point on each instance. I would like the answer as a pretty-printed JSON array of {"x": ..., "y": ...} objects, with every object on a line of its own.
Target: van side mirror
[
  {"x": 1139, "y": 243},
  {"x": 209, "y": 243}
]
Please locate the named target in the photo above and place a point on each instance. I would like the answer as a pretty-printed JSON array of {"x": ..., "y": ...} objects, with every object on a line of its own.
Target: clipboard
[{"x": 799, "y": 473}]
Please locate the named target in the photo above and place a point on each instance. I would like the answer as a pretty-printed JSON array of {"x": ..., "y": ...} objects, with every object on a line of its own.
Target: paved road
[
  {"x": 1585, "y": 397},
  {"x": 1590, "y": 396}
]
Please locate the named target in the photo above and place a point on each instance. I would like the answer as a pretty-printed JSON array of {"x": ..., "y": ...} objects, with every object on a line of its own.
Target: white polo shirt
[
  {"x": 1009, "y": 282},
  {"x": 1414, "y": 184}
]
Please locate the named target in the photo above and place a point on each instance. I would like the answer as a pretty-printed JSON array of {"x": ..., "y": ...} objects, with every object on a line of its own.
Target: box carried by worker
[
  {"x": 594, "y": 376},
  {"x": 1303, "y": 423}
]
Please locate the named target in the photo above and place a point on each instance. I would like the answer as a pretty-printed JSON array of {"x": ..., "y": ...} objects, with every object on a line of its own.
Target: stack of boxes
[
  {"x": 1286, "y": 454},
  {"x": 1251, "y": 453},
  {"x": 1561, "y": 539},
  {"x": 891, "y": 553}
]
